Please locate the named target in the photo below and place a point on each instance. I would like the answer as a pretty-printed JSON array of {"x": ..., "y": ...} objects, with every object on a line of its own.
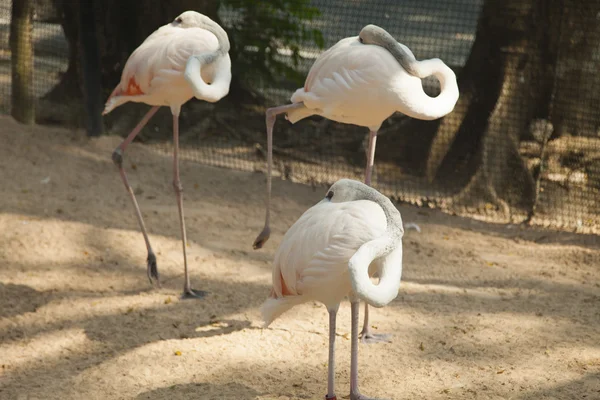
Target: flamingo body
[
  {"x": 330, "y": 253},
  {"x": 363, "y": 85},
  {"x": 312, "y": 260},
  {"x": 154, "y": 73}
]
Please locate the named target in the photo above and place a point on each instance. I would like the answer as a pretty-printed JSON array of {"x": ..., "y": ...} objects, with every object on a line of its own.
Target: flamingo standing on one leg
[
  {"x": 331, "y": 252},
  {"x": 362, "y": 81},
  {"x": 183, "y": 59}
]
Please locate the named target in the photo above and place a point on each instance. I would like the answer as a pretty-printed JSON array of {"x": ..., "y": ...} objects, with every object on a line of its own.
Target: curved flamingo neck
[
  {"x": 387, "y": 248},
  {"x": 416, "y": 104},
  {"x": 380, "y": 37},
  {"x": 221, "y": 35},
  {"x": 425, "y": 107},
  {"x": 219, "y": 87}
]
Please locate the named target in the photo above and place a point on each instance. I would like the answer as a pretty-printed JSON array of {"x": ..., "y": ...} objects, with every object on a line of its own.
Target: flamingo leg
[
  {"x": 271, "y": 115},
  {"x": 366, "y": 335},
  {"x": 187, "y": 288},
  {"x": 331, "y": 365},
  {"x": 354, "y": 392},
  {"x": 117, "y": 157},
  {"x": 370, "y": 157}
]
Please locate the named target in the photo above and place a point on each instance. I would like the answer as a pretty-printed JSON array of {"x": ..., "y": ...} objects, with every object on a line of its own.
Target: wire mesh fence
[
  {"x": 51, "y": 50},
  {"x": 522, "y": 145}
]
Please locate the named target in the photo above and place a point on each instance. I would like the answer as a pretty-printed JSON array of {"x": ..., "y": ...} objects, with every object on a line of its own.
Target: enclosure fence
[{"x": 522, "y": 145}]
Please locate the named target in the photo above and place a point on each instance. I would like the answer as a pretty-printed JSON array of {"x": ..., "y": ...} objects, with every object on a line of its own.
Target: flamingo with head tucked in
[
  {"x": 330, "y": 253},
  {"x": 186, "y": 58}
]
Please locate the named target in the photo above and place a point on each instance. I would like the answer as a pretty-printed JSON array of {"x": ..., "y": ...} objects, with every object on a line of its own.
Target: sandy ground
[{"x": 484, "y": 312}]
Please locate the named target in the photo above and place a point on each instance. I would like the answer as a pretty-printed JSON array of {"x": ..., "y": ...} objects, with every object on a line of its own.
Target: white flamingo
[
  {"x": 331, "y": 252},
  {"x": 363, "y": 80},
  {"x": 183, "y": 59}
]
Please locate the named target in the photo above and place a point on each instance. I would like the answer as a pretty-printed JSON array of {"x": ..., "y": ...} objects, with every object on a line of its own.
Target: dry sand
[{"x": 484, "y": 312}]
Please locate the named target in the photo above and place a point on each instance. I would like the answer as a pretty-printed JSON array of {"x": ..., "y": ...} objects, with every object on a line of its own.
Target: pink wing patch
[{"x": 133, "y": 88}]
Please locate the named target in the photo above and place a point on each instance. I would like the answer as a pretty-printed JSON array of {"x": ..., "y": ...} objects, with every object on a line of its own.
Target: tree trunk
[
  {"x": 21, "y": 47},
  {"x": 91, "y": 69},
  {"x": 506, "y": 83},
  {"x": 531, "y": 60},
  {"x": 577, "y": 92}
]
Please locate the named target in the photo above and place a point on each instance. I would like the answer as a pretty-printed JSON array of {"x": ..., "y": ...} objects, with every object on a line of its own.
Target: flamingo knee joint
[{"x": 117, "y": 157}]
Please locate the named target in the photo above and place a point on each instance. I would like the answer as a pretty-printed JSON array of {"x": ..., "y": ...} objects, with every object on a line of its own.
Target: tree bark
[
  {"x": 91, "y": 69},
  {"x": 577, "y": 94},
  {"x": 21, "y": 47},
  {"x": 531, "y": 60}
]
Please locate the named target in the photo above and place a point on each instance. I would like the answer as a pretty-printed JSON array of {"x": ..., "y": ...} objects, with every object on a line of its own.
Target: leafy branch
[{"x": 260, "y": 30}]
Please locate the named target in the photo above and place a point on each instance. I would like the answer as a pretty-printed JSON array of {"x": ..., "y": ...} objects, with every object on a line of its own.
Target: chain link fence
[{"x": 523, "y": 144}]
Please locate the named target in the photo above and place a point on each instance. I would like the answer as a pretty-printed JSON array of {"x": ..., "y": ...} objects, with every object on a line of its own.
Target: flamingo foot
[
  {"x": 330, "y": 398},
  {"x": 262, "y": 238},
  {"x": 368, "y": 337},
  {"x": 152, "y": 269},
  {"x": 190, "y": 293}
]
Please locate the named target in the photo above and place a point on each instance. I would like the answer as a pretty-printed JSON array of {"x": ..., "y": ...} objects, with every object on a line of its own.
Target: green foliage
[{"x": 257, "y": 29}]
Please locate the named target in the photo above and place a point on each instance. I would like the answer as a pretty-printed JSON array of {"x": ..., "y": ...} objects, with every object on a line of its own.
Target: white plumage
[
  {"x": 155, "y": 72},
  {"x": 363, "y": 85},
  {"x": 183, "y": 59},
  {"x": 331, "y": 252},
  {"x": 312, "y": 260}
]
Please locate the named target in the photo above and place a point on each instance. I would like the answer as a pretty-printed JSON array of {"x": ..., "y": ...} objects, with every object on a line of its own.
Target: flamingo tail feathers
[{"x": 274, "y": 307}]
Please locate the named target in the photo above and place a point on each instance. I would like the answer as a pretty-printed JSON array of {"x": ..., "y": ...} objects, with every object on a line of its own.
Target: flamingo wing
[
  {"x": 356, "y": 63},
  {"x": 352, "y": 83},
  {"x": 318, "y": 246}
]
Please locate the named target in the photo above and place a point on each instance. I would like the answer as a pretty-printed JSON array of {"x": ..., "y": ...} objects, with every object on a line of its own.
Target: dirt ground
[{"x": 484, "y": 312}]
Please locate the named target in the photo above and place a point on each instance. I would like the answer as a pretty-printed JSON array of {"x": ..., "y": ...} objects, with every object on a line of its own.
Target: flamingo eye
[
  {"x": 329, "y": 195},
  {"x": 179, "y": 20}
]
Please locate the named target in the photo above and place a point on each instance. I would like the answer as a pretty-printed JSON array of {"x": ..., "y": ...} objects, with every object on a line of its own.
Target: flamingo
[
  {"x": 331, "y": 252},
  {"x": 362, "y": 80},
  {"x": 183, "y": 59}
]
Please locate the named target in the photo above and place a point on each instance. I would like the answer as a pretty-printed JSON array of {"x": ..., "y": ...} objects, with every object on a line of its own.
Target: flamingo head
[
  {"x": 348, "y": 190},
  {"x": 373, "y": 34},
  {"x": 192, "y": 19}
]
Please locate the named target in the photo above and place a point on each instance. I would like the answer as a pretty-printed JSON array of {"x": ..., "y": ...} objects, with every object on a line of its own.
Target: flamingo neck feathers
[
  {"x": 219, "y": 87},
  {"x": 421, "y": 106},
  {"x": 387, "y": 248},
  {"x": 429, "y": 108},
  {"x": 222, "y": 39},
  {"x": 221, "y": 35}
]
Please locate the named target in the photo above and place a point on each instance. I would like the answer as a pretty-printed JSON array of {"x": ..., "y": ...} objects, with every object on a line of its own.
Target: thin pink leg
[
  {"x": 117, "y": 157},
  {"x": 354, "y": 392},
  {"x": 366, "y": 335},
  {"x": 331, "y": 366},
  {"x": 370, "y": 156},
  {"x": 187, "y": 288},
  {"x": 272, "y": 114}
]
